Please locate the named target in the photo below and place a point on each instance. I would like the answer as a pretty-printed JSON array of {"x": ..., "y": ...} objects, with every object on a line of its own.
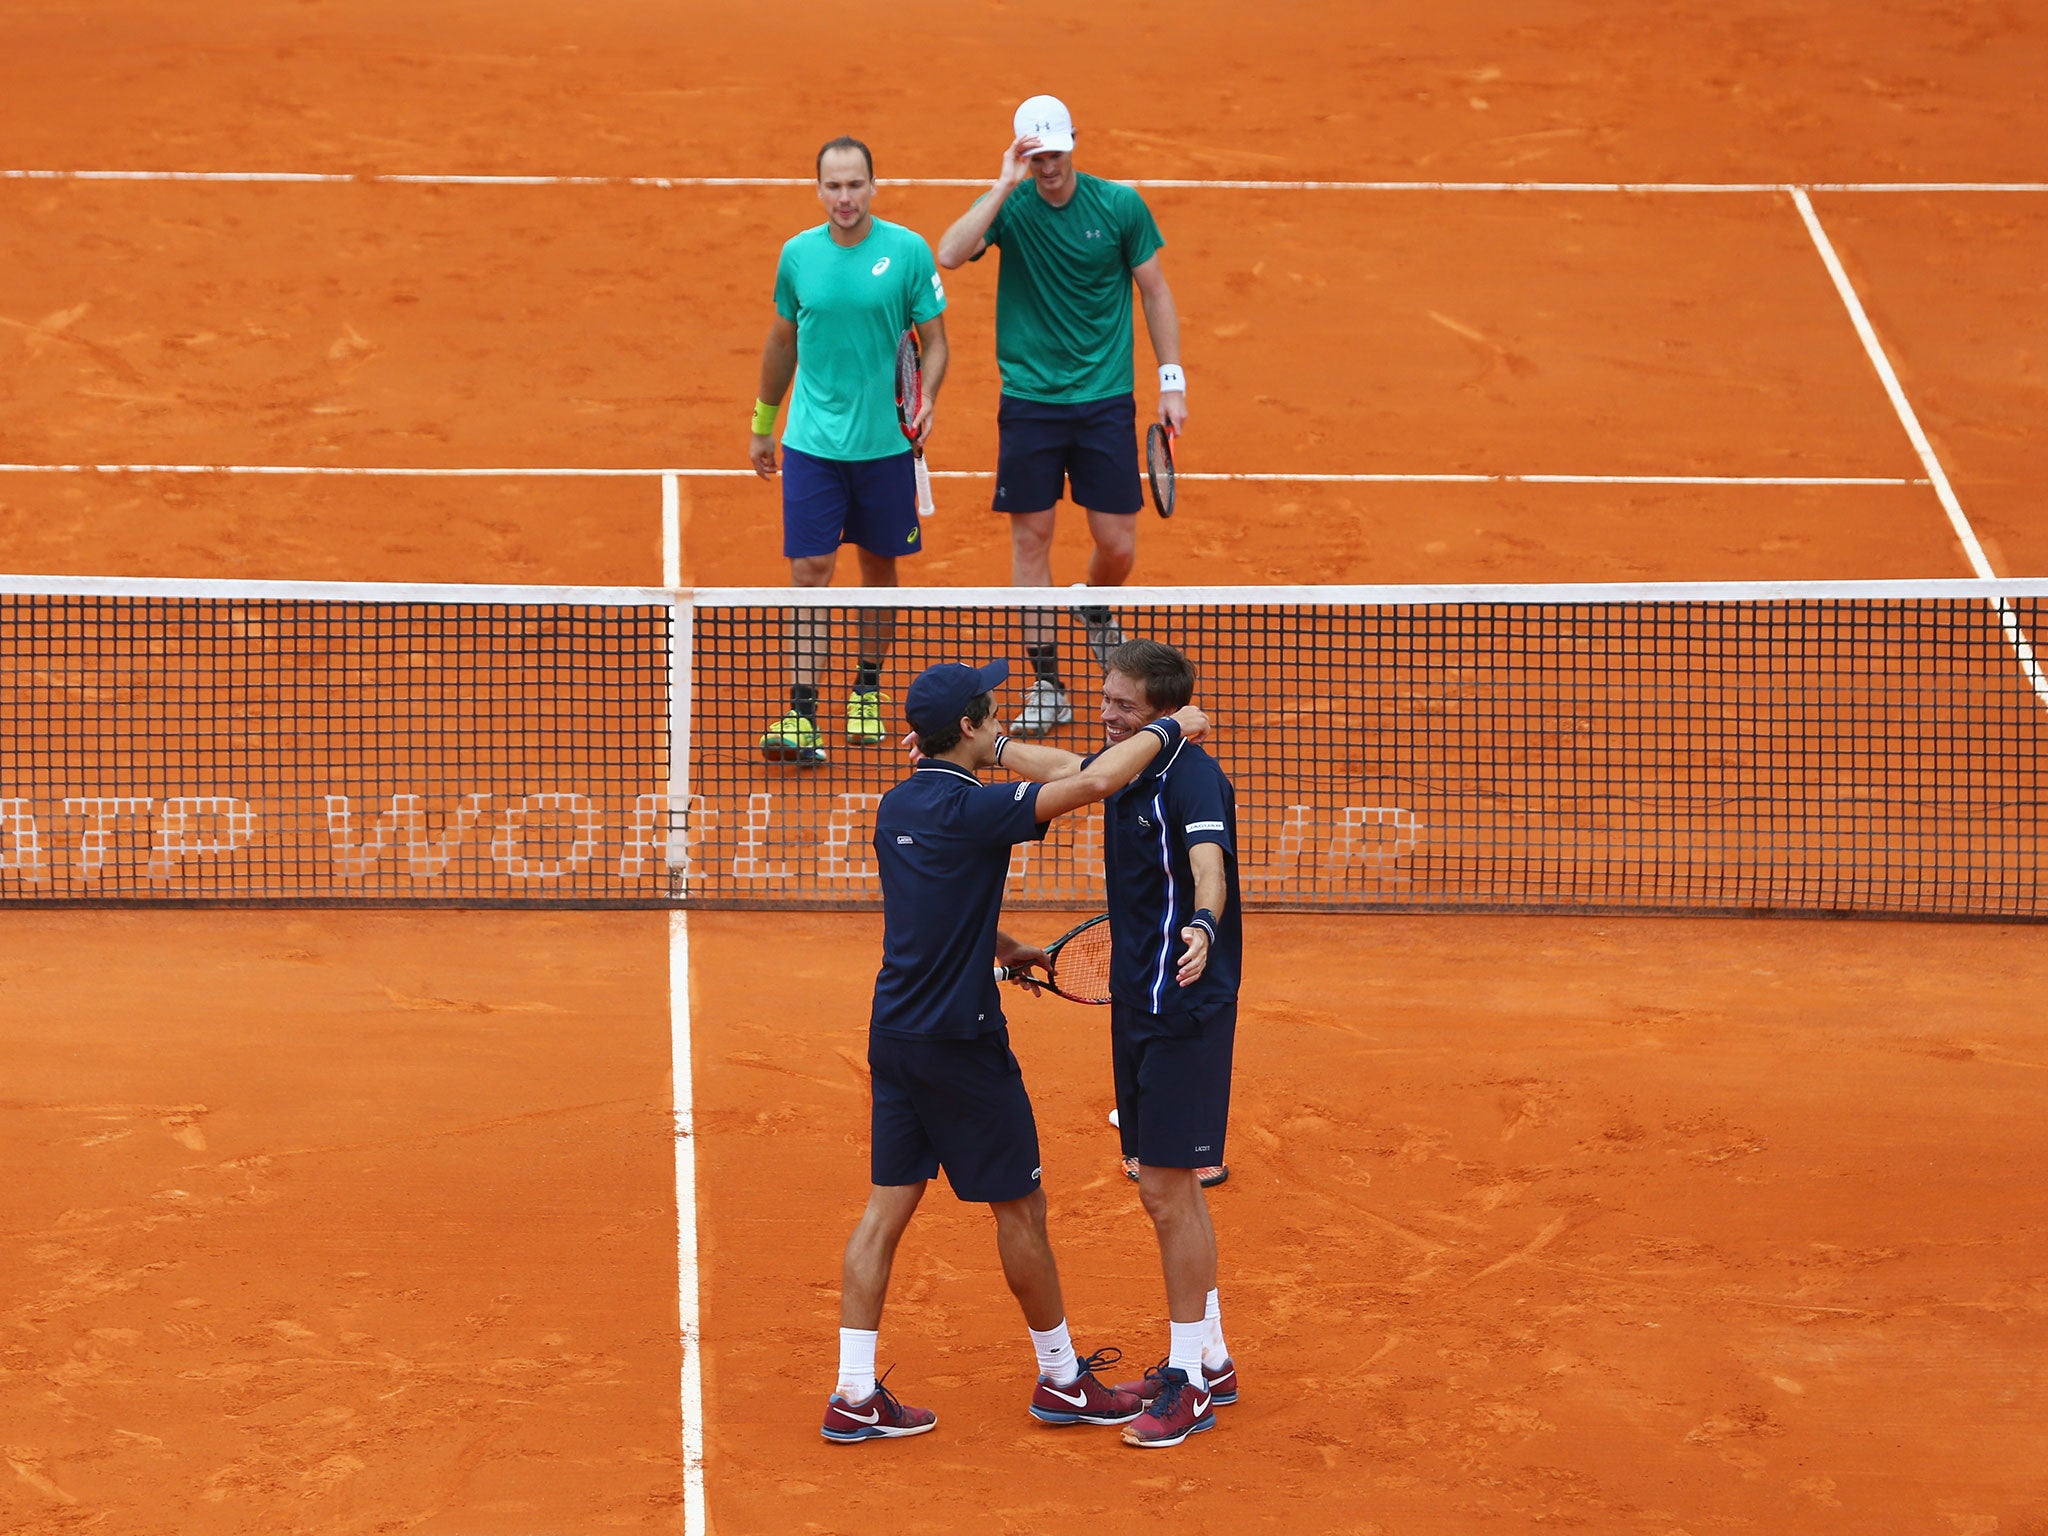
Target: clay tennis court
[{"x": 367, "y": 1221}]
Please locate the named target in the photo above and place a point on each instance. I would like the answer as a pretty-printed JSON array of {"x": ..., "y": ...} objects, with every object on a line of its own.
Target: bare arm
[
  {"x": 1040, "y": 764},
  {"x": 1115, "y": 768},
  {"x": 1212, "y": 890},
  {"x": 965, "y": 240},
  {"x": 931, "y": 337},
  {"x": 1162, "y": 322},
  {"x": 778, "y": 367}
]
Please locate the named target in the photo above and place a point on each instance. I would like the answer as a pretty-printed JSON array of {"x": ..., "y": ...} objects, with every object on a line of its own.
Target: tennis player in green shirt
[
  {"x": 1073, "y": 245},
  {"x": 845, "y": 292}
]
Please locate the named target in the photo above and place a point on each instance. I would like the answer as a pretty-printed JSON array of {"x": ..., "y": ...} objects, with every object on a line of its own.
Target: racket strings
[
  {"x": 909, "y": 377},
  {"x": 1081, "y": 968}
]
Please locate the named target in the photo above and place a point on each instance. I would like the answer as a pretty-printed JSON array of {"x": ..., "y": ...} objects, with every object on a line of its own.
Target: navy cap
[{"x": 939, "y": 696}]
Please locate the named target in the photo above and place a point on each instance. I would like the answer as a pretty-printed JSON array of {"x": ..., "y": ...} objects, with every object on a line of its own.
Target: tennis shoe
[
  {"x": 864, "y": 716},
  {"x": 1177, "y": 1411},
  {"x": 1208, "y": 1177},
  {"x": 793, "y": 739},
  {"x": 1046, "y": 708},
  {"x": 878, "y": 1417},
  {"x": 1221, "y": 1381},
  {"x": 1103, "y": 634},
  {"x": 1085, "y": 1400}
]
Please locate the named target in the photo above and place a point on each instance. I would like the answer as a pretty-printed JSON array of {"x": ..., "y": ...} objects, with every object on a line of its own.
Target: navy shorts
[
  {"x": 953, "y": 1104},
  {"x": 830, "y": 502},
  {"x": 1093, "y": 445},
  {"x": 1173, "y": 1083}
]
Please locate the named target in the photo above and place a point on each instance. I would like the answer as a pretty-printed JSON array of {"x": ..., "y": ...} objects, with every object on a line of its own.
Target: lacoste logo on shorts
[{"x": 880, "y": 267}]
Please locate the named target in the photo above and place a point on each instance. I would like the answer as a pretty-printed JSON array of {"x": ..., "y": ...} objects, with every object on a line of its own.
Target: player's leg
[
  {"x": 883, "y": 525},
  {"x": 987, "y": 1138},
  {"x": 1103, "y": 465},
  {"x": 871, "y": 1255},
  {"x": 1173, "y": 1100},
  {"x": 1031, "y": 472},
  {"x": 816, "y": 497},
  {"x": 901, "y": 1162}
]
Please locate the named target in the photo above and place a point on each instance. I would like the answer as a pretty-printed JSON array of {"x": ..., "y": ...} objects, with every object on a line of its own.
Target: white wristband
[{"x": 1171, "y": 379}]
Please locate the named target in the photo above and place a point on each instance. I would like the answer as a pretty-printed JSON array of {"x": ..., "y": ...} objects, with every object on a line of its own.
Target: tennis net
[{"x": 1871, "y": 748}]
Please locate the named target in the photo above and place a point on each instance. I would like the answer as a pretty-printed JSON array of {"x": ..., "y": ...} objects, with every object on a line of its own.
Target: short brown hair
[
  {"x": 1163, "y": 675},
  {"x": 846, "y": 141}
]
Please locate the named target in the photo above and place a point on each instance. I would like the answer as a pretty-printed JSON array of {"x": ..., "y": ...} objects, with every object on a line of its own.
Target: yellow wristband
[{"x": 764, "y": 418}]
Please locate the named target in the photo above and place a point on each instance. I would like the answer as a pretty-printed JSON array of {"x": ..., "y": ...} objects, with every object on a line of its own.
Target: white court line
[
  {"x": 1874, "y": 349},
  {"x": 687, "y": 1298},
  {"x": 671, "y": 531},
  {"x": 1973, "y": 551},
  {"x": 1190, "y": 184},
  {"x": 673, "y": 474}
]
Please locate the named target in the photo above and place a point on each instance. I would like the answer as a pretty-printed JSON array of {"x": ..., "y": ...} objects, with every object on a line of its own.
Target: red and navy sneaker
[
  {"x": 879, "y": 1417},
  {"x": 1221, "y": 1381},
  {"x": 1085, "y": 1400},
  {"x": 1178, "y": 1411}
]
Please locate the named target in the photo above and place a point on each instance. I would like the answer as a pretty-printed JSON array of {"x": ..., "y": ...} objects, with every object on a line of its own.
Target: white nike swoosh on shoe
[
  {"x": 872, "y": 1416},
  {"x": 1201, "y": 1406},
  {"x": 1079, "y": 1399}
]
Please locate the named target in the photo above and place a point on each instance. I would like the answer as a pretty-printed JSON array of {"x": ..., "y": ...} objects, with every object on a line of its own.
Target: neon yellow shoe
[
  {"x": 793, "y": 739},
  {"x": 864, "y": 716}
]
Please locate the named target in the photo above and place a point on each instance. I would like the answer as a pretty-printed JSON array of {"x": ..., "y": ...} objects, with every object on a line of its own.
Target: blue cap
[{"x": 939, "y": 696}]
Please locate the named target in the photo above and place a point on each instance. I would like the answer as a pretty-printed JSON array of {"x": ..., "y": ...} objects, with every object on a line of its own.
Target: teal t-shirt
[
  {"x": 1063, "y": 296},
  {"x": 851, "y": 304}
]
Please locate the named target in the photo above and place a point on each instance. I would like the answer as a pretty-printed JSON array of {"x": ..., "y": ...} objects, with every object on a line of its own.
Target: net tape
[{"x": 1867, "y": 748}]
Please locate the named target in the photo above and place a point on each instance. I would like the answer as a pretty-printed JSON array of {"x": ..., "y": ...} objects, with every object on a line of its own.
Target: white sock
[
  {"x": 1056, "y": 1362},
  {"x": 1185, "y": 1351},
  {"x": 1214, "y": 1350},
  {"x": 857, "y": 1363}
]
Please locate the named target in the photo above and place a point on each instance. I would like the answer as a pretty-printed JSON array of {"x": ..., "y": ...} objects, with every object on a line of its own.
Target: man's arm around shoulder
[{"x": 1119, "y": 765}]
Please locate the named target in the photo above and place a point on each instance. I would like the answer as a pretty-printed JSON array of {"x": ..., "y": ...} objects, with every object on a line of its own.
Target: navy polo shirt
[
  {"x": 1181, "y": 799},
  {"x": 942, "y": 843}
]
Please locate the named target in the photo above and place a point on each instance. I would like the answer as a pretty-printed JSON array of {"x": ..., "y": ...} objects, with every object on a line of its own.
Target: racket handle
[{"x": 925, "y": 506}]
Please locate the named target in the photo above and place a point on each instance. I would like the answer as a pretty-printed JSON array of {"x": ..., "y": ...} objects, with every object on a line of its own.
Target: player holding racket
[
  {"x": 845, "y": 293},
  {"x": 1072, "y": 247},
  {"x": 948, "y": 1092},
  {"x": 1170, "y": 855}
]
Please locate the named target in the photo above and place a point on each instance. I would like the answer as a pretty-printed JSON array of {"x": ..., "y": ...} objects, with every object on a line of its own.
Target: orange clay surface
[{"x": 365, "y": 1222}]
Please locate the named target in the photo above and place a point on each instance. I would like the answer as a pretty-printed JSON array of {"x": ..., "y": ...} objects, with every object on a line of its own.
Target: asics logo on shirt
[{"x": 880, "y": 267}]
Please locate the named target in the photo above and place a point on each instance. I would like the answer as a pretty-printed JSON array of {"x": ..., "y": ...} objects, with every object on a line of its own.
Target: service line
[
  {"x": 1189, "y": 184},
  {"x": 671, "y": 497}
]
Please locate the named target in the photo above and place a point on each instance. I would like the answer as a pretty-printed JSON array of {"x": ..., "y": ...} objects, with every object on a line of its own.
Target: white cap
[{"x": 1047, "y": 119}]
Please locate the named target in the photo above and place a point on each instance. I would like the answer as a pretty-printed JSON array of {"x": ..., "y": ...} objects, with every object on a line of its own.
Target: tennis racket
[
  {"x": 1159, "y": 466},
  {"x": 1079, "y": 964},
  {"x": 909, "y": 402}
]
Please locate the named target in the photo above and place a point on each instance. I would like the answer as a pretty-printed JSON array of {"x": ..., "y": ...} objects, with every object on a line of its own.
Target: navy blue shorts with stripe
[
  {"x": 1045, "y": 446},
  {"x": 1173, "y": 1083},
  {"x": 953, "y": 1104},
  {"x": 830, "y": 502}
]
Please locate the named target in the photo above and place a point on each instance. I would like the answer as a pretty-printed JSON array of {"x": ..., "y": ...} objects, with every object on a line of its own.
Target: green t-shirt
[
  {"x": 1063, "y": 297},
  {"x": 851, "y": 304}
]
